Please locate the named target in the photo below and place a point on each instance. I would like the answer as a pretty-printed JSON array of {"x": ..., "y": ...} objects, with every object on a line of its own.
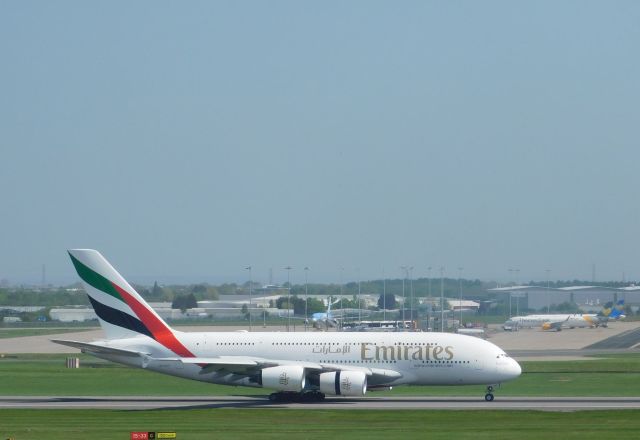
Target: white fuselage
[
  {"x": 419, "y": 358},
  {"x": 567, "y": 320}
]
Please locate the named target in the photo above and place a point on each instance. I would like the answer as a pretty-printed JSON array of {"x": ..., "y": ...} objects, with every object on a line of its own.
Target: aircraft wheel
[
  {"x": 488, "y": 397},
  {"x": 274, "y": 397}
]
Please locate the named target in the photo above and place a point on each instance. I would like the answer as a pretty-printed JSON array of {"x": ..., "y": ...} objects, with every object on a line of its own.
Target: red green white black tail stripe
[{"x": 121, "y": 310}]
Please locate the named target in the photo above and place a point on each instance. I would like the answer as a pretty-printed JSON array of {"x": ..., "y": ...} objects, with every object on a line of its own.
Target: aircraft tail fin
[
  {"x": 122, "y": 312},
  {"x": 617, "y": 312},
  {"x": 606, "y": 310}
]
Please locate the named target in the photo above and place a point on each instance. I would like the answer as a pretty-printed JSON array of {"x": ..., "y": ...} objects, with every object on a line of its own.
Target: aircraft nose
[
  {"x": 508, "y": 369},
  {"x": 513, "y": 369}
]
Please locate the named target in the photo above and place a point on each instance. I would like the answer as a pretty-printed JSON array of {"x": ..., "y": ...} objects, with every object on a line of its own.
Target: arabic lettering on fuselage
[
  {"x": 332, "y": 349},
  {"x": 397, "y": 352}
]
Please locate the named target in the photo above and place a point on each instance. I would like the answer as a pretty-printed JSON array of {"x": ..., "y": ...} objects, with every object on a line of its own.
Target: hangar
[{"x": 588, "y": 298}]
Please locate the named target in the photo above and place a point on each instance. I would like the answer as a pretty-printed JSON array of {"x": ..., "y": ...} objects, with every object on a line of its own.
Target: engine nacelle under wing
[
  {"x": 343, "y": 383},
  {"x": 284, "y": 378}
]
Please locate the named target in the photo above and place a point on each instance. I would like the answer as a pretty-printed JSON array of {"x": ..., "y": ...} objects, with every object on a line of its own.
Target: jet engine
[
  {"x": 343, "y": 383},
  {"x": 284, "y": 378}
]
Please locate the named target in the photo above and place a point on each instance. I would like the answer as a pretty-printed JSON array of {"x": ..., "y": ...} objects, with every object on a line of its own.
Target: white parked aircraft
[
  {"x": 549, "y": 322},
  {"x": 567, "y": 320},
  {"x": 295, "y": 365}
]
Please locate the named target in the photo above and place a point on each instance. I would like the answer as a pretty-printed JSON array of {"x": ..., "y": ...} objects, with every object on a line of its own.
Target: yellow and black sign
[{"x": 152, "y": 435}]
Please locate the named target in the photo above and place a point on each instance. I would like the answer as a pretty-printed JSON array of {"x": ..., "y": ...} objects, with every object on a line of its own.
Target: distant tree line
[
  {"x": 42, "y": 297},
  {"x": 314, "y": 305}
]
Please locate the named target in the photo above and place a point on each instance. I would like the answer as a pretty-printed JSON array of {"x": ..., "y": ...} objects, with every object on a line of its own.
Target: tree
[
  {"x": 281, "y": 303},
  {"x": 387, "y": 301},
  {"x": 245, "y": 311},
  {"x": 315, "y": 305},
  {"x": 156, "y": 291},
  {"x": 199, "y": 288},
  {"x": 184, "y": 302}
]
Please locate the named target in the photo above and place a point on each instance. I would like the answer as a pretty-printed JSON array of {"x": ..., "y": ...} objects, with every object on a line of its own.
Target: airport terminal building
[{"x": 588, "y": 298}]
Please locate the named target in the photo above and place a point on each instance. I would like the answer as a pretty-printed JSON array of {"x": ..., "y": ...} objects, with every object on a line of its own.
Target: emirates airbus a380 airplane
[{"x": 293, "y": 365}]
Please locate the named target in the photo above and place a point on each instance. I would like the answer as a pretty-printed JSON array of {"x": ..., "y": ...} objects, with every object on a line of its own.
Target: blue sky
[{"x": 189, "y": 140}]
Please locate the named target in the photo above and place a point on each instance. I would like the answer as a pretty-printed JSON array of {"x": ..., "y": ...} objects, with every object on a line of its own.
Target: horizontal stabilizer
[{"x": 93, "y": 348}]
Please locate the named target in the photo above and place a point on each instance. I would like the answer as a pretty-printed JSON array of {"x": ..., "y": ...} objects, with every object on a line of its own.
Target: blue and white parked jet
[
  {"x": 324, "y": 320},
  {"x": 294, "y": 365}
]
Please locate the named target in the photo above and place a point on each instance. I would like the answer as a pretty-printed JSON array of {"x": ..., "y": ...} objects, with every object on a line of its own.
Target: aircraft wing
[
  {"x": 248, "y": 365},
  {"x": 86, "y": 347},
  {"x": 240, "y": 365}
]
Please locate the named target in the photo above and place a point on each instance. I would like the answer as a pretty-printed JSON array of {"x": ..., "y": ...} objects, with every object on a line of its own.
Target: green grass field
[
  {"x": 47, "y": 375},
  {"x": 318, "y": 424}
]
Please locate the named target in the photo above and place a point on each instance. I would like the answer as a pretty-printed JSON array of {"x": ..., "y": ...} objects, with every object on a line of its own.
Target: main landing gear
[
  {"x": 489, "y": 396},
  {"x": 309, "y": 396}
]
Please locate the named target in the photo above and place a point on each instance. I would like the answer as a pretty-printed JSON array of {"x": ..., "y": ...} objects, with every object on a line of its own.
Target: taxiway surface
[{"x": 532, "y": 341}]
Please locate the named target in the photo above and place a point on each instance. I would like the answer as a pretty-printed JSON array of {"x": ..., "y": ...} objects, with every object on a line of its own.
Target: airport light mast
[
  {"x": 442, "y": 299},
  {"x": 288, "y": 269},
  {"x": 547, "y": 271},
  {"x": 460, "y": 269},
  {"x": 359, "y": 305},
  {"x": 429, "y": 304},
  {"x": 411, "y": 294},
  {"x": 384, "y": 296},
  {"x": 404, "y": 304},
  {"x": 250, "y": 296},
  {"x": 306, "y": 298}
]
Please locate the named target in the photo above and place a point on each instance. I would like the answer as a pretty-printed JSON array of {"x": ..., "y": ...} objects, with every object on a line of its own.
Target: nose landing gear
[{"x": 489, "y": 396}]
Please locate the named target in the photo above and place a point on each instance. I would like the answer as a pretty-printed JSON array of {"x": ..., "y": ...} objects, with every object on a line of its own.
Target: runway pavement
[{"x": 134, "y": 403}]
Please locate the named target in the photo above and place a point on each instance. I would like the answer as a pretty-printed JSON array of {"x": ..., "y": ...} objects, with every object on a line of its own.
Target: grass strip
[
  {"x": 318, "y": 424},
  {"x": 31, "y": 375}
]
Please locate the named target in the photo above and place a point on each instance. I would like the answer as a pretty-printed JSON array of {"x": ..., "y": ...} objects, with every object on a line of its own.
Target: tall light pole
[
  {"x": 250, "y": 295},
  {"x": 384, "y": 296},
  {"x": 429, "y": 304},
  {"x": 359, "y": 305},
  {"x": 404, "y": 304},
  {"x": 411, "y": 293},
  {"x": 460, "y": 269},
  {"x": 442, "y": 299},
  {"x": 306, "y": 297},
  {"x": 288, "y": 269},
  {"x": 548, "y": 293},
  {"x": 518, "y": 295},
  {"x": 511, "y": 271},
  {"x": 341, "y": 309}
]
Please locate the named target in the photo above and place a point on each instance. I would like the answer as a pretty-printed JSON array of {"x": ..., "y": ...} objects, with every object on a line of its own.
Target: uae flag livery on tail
[{"x": 121, "y": 310}]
